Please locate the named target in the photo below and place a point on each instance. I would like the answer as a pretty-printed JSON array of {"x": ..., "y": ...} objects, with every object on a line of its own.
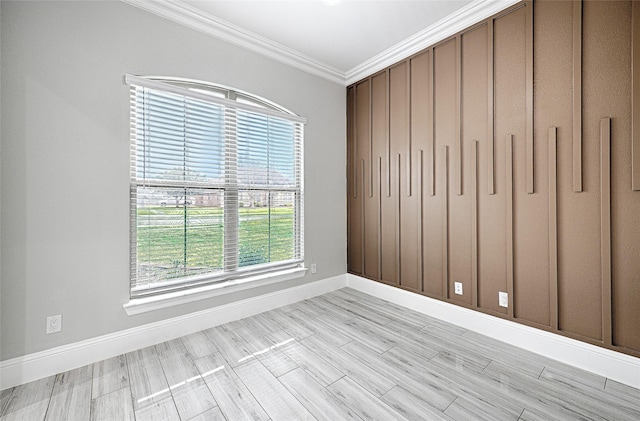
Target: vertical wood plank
[
  {"x": 577, "y": 95},
  {"x": 445, "y": 222},
  {"x": 354, "y": 144},
  {"x": 398, "y": 221},
  {"x": 432, "y": 118},
  {"x": 635, "y": 83},
  {"x": 509, "y": 221},
  {"x": 421, "y": 222},
  {"x": 388, "y": 133},
  {"x": 362, "y": 218},
  {"x": 371, "y": 137},
  {"x": 409, "y": 140},
  {"x": 529, "y": 150},
  {"x": 474, "y": 223},
  {"x": 553, "y": 228},
  {"x": 490, "y": 111},
  {"x": 605, "y": 226},
  {"x": 459, "y": 148},
  {"x": 380, "y": 217}
]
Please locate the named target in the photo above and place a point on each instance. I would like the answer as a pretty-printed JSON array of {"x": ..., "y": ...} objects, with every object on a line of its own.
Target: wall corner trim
[
  {"x": 613, "y": 365},
  {"x": 462, "y": 19},
  {"x": 27, "y": 368},
  {"x": 186, "y": 15}
]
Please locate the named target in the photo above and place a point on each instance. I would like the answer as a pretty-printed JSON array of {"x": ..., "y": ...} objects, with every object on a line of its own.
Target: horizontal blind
[{"x": 216, "y": 190}]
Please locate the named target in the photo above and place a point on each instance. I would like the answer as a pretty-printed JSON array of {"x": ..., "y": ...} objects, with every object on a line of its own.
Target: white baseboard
[
  {"x": 613, "y": 365},
  {"x": 46, "y": 363}
]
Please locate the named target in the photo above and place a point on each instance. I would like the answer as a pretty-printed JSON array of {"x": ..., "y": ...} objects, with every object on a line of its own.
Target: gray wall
[{"x": 65, "y": 157}]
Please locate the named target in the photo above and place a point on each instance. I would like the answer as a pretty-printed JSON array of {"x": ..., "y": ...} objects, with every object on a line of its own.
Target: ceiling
[
  {"x": 341, "y": 35},
  {"x": 342, "y": 42}
]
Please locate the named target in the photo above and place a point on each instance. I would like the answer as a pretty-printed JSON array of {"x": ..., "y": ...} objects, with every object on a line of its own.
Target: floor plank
[
  {"x": 233, "y": 397},
  {"x": 277, "y": 363},
  {"x": 363, "y": 403},
  {"x": 163, "y": 410},
  {"x": 231, "y": 345},
  {"x": 211, "y": 415},
  {"x": 470, "y": 408},
  {"x": 544, "y": 397},
  {"x": 276, "y": 400},
  {"x": 411, "y": 406},
  {"x": 199, "y": 345},
  {"x": 323, "y": 404},
  {"x": 113, "y": 406},
  {"x": 339, "y": 356},
  {"x": 316, "y": 366},
  {"x": 404, "y": 373},
  {"x": 29, "y": 401},
  {"x": 371, "y": 380},
  {"x": 148, "y": 383},
  {"x": 109, "y": 375},
  {"x": 4, "y": 398},
  {"x": 190, "y": 393},
  {"x": 71, "y": 399}
]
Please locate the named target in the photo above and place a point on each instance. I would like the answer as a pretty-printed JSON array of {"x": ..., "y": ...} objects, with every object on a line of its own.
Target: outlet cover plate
[
  {"x": 457, "y": 288},
  {"x": 503, "y": 299},
  {"x": 54, "y": 324}
]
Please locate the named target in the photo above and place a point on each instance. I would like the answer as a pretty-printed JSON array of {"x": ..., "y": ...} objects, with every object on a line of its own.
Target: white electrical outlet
[
  {"x": 503, "y": 299},
  {"x": 457, "y": 288},
  {"x": 314, "y": 269},
  {"x": 54, "y": 324}
]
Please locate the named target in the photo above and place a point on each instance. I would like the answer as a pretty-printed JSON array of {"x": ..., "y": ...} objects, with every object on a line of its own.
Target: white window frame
[{"x": 206, "y": 286}]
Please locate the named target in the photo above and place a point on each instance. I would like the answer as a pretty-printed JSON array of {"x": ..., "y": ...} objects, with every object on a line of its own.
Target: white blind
[{"x": 216, "y": 188}]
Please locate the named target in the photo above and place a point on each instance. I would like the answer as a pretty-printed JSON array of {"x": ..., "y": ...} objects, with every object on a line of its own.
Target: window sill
[{"x": 144, "y": 305}]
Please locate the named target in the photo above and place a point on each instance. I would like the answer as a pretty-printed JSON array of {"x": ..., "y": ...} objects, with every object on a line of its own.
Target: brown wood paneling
[
  {"x": 509, "y": 118},
  {"x": 363, "y": 130},
  {"x": 625, "y": 202},
  {"x": 553, "y": 70},
  {"x": 444, "y": 111},
  {"x": 473, "y": 160},
  {"x": 354, "y": 202},
  {"x": 577, "y": 95},
  {"x": 444, "y": 165},
  {"x": 431, "y": 123},
  {"x": 490, "y": 111},
  {"x": 473, "y": 126},
  {"x": 605, "y": 91},
  {"x": 605, "y": 225},
  {"x": 530, "y": 156},
  {"x": 458, "y": 140},
  {"x": 371, "y": 199},
  {"x": 557, "y": 225},
  {"x": 635, "y": 139},
  {"x": 530, "y": 211},
  {"x": 553, "y": 229},
  {"x": 509, "y": 220},
  {"x": 408, "y": 204},
  {"x": 379, "y": 133},
  {"x": 381, "y": 146},
  {"x": 421, "y": 106}
]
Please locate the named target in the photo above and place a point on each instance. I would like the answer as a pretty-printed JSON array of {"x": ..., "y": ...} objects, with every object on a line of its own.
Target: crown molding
[
  {"x": 463, "y": 18},
  {"x": 193, "y": 18}
]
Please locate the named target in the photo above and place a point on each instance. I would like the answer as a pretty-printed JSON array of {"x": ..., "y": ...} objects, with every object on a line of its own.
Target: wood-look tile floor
[{"x": 340, "y": 356}]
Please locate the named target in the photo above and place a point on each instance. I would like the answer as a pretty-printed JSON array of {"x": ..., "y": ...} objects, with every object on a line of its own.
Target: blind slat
[{"x": 216, "y": 188}]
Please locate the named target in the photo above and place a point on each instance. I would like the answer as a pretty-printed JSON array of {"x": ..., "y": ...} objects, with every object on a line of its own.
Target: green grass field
[{"x": 264, "y": 235}]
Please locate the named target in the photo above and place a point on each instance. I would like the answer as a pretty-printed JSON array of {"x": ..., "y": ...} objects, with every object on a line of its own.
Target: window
[{"x": 216, "y": 185}]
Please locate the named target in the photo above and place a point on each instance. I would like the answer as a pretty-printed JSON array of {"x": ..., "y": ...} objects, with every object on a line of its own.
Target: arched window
[{"x": 216, "y": 185}]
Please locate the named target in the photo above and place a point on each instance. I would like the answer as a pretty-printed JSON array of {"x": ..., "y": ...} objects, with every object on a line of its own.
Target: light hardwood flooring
[{"x": 341, "y": 356}]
